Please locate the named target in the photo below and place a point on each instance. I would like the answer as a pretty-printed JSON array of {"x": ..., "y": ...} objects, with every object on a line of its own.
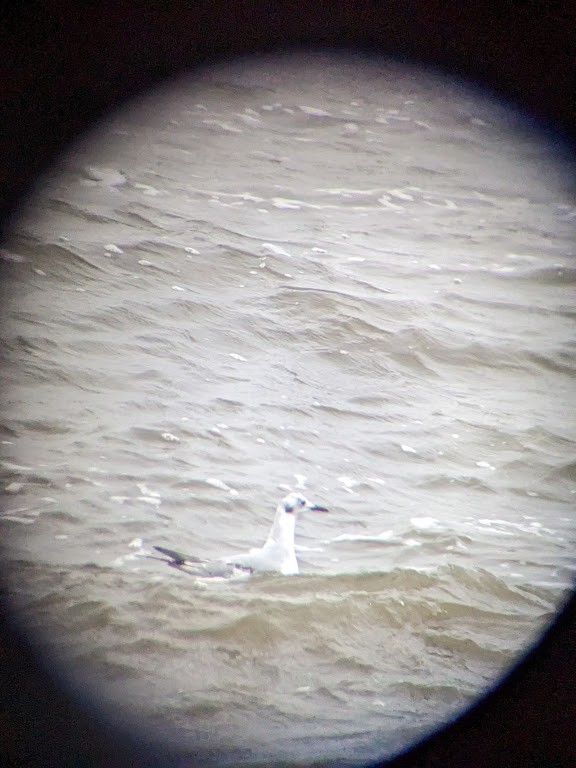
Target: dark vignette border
[{"x": 64, "y": 65}]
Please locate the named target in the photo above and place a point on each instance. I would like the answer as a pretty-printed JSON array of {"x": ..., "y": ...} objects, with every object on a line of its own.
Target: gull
[{"x": 277, "y": 555}]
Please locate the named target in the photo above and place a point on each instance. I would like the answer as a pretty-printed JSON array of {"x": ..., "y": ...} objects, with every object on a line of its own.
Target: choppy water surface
[{"x": 351, "y": 279}]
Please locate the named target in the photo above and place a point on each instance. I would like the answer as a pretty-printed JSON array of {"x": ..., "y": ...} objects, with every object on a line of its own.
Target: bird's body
[{"x": 277, "y": 555}]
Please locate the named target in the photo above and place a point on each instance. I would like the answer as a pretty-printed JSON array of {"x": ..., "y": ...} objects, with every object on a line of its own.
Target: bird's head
[{"x": 295, "y": 502}]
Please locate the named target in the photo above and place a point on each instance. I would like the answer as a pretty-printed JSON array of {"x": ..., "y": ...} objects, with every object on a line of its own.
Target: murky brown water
[{"x": 351, "y": 279}]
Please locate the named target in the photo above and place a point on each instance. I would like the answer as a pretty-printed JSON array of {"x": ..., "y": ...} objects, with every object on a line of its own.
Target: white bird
[{"x": 277, "y": 555}]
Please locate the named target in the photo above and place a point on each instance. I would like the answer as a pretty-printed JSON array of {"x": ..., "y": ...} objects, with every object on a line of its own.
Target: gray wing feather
[
  {"x": 199, "y": 567},
  {"x": 179, "y": 558}
]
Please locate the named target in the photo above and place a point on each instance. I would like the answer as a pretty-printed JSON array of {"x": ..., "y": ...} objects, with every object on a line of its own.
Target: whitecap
[
  {"x": 280, "y": 202},
  {"x": 14, "y": 488},
  {"x": 425, "y": 523},
  {"x": 169, "y": 437},
  {"x": 300, "y": 482},
  {"x": 154, "y": 501},
  {"x": 384, "y": 536},
  {"x": 314, "y": 111},
  {"x": 215, "y": 483},
  {"x": 146, "y": 491}
]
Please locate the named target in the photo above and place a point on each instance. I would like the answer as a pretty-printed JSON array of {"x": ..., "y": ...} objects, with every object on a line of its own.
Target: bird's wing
[
  {"x": 179, "y": 558},
  {"x": 197, "y": 567}
]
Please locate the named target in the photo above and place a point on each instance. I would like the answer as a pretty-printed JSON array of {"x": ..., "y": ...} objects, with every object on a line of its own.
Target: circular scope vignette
[{"x": 287, "y": 442}]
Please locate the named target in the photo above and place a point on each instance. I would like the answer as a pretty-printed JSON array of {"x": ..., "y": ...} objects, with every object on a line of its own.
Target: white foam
[
  {"x": 425, "y": 523},
  {"x": 485, "y": 465},
  {"x": 400, "y": 194},
  {"x": 314, "y": 111},
  {"x": 275, "y": 249},
  {"x": 384, "y": 536},
  {"x": 376, "y": 480},
  {"x": 215, "y": 483},
  {"x": 152, "y": 500},
  {"x": 280, "y": 202},
  {"x": 146, "y": 491},
  {"x": 348, "y": 483},
  {"x": 14, "y": 487},
  {"x": 386, "y": 203}
]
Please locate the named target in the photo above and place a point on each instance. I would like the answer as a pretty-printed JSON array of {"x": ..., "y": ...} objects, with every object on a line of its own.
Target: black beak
[{"x": 318, "y": 508}]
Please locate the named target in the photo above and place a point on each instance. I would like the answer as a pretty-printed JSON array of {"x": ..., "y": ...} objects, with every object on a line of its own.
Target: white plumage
[{"x": 277, "y": 555}]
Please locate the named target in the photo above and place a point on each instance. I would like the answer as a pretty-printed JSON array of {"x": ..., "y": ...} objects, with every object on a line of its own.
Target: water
[{"x": 330, "y": 275}]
